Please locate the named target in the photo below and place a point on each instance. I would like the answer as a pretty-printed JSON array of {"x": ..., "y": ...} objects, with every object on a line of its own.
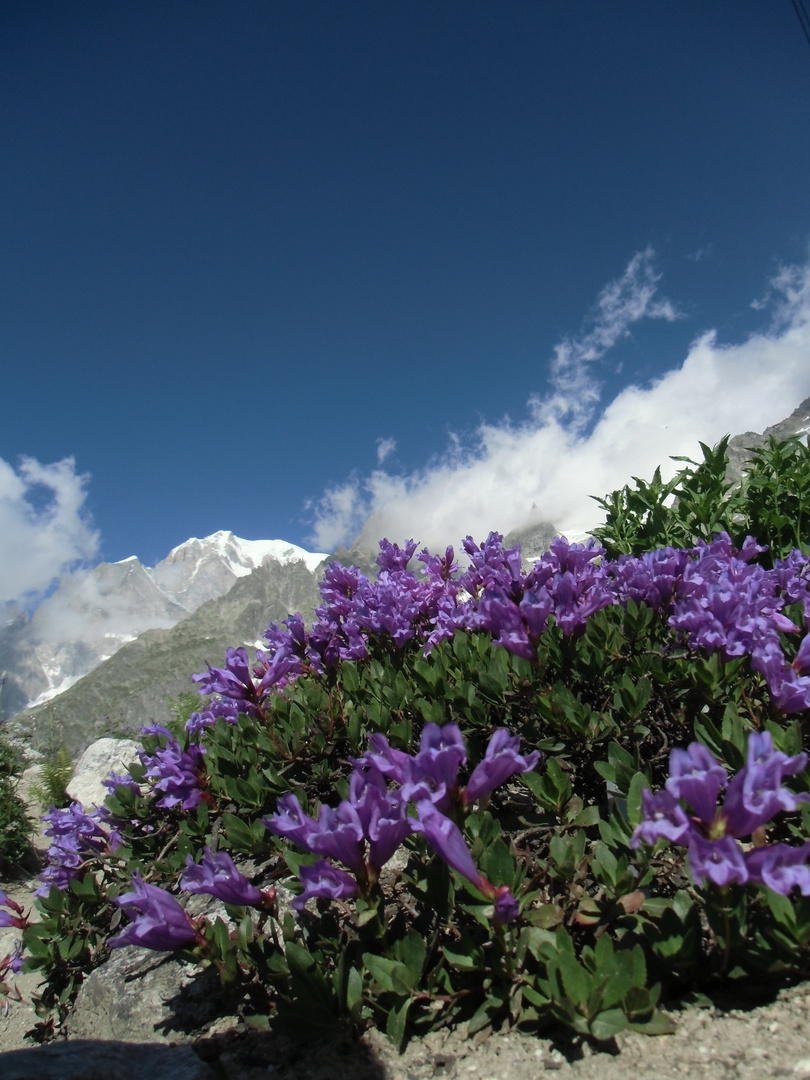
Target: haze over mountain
[{"x": 95, "y": 612}]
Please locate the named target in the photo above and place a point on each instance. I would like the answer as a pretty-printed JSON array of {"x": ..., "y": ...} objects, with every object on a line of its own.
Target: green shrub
[
  {"x": 15, "y": 825},
  {"x": 771, "y": 503},
  {"x": 56, "y": 769},
  {"x": 606, "y": 928}
]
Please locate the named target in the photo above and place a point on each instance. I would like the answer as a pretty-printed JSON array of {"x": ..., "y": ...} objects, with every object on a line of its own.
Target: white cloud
[
  {"x": 385, "y": 447},
  {"x": 548, "y": 463},
  {"x": 702, "y": 253},
  {"x": 625, "y": 301},
  {"x": 43, "y": 527}
]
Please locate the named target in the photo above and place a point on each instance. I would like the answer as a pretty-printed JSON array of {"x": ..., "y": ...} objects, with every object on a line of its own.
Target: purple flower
[
  {"x": 781, "y": 867},
  {"x": 76, "y": 837},
  {"x": 291, "y": 822},
  {"x": 383, "y": 816},
  {"x": 287, "y": 657},
  {"x": 125, "y": 780},
  {"x": 176, "y": 773},
  {"x": 12, "y": 961},
  {"x": 651, "y": 578},
  {"x": 515, "y": 625},
  {"x": 159, "y": 921},
  {"x": 218, "y": 876},
  {"x": 433, "y": 772},
  {"x": 662, "y": 818},
  {"x": 753, "y": 797},
  {"x": 507, "y": 908},
  {"x": 199, "y": 722},
  {"x": 234, "y": 681},
  {"x": 697, "y": 777},
  {"x": 438, "y": 569},
  {"x": 324, "y": 879},
  {"x": 756, "y": 794},
  {"x": 340, "y": 836},
  {"x": 363, "y": 832},
  {"x": 441, "y": 753},
  {"x": 501, "y": 761},
  {"x": 445, "y": 837},
  {"x": 720, "y": 860},
  {"x": 393, "y": 558},
  {"x": 392, "y": 763},
  {"x": 18, "y": 919}
]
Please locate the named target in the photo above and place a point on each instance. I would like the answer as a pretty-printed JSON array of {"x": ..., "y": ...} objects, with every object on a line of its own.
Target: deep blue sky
[{"x": 240, "y": 243}]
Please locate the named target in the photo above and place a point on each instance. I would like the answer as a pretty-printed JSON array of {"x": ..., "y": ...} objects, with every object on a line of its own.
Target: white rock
[{"x": 97, "y": 762}]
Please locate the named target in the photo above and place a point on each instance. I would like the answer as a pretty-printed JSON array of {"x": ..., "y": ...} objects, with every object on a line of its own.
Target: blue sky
[{"x": 275, "y": 267}]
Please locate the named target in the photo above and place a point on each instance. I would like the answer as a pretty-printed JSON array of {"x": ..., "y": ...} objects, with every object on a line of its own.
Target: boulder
[
  {"x": 143, "y": 996},
  {"x": 101, "y": 758}
]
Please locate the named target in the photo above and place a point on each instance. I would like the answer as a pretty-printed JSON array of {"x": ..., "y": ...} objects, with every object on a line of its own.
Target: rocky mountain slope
[
  {"x": 131, "y": 688},
  {"x": 95, "y": 612}
]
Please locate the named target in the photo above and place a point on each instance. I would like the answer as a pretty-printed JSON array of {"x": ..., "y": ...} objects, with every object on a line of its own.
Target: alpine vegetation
[{"x": 489, "y": 794}]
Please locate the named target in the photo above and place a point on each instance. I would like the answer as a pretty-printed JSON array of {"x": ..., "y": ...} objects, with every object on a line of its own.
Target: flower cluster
[
  {"x": 217, "y": 875},
  {"x": 76, "y": 836},
  {"x": 712, "y": 832},
  {"x": 158, "y": 919},
  {"x": 714, "y": 597},
  {"x": 177, "y": 774},
  {"x": 365, "y": 830}
]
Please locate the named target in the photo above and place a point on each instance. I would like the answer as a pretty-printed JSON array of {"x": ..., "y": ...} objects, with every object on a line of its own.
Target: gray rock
[
  {"x": 741, "y": 447},
  {"x": 143, "y": 996},
  {"x": 534, "y": 539},
  {"x": 95, "y": 765},
  {"x": 86, "y": 1060}
]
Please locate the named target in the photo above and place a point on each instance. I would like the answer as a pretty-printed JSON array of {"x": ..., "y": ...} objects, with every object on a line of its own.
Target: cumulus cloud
[
  {"x": 385, "y": 447},
  {"x": 547, "y": 467},
  {"x": 44, "y": 528}
]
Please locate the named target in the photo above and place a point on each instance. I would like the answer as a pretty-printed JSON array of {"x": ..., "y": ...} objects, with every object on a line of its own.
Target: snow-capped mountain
[
  {"x": 94, "y": 612},
  {"x": 201, "y": 570}
]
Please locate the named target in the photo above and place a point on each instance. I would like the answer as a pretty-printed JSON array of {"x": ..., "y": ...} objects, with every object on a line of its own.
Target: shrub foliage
[{"x": 581, "y": 888}]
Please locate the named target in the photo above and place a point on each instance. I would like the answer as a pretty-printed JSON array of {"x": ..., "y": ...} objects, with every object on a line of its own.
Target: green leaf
[
  {"x": 463, "y": 961},
  {"x": 354, "y": 992},
  {"x": 637, "y": 786},
  {"x": 412, "y": 951},
  {"x": 608, "y": 1024},
  {"x": 431, "y": 710},
  {"x": 575, "y": 979},
  {"x": 309, "y": 986},
  {"x": 397, "y": 1022},
  {"x": 238, "y": 832},
  {"x": 499, "y": 865},
  {"x": 350, "y": 677},
  {"x": 658, "y": 1024},
  {"x": 221, "y": 936},
  {"x": 390, "y": 975}
]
